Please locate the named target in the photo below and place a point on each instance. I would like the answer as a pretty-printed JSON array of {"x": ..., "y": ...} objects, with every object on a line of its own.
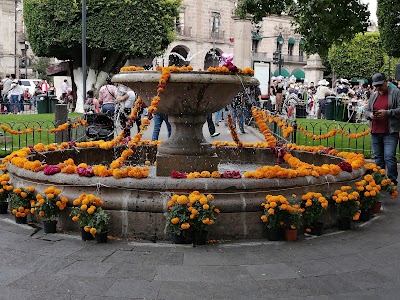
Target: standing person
[
  {"x": 44, "y": 86},
  {"x": 323, "y": 91},
  {"x": 279, "y": 89},
  {"x": 36, "y": 93},
  {"x": 52, "y": 89},
  {"x": 126, "y": 100},
  {"x": 107, "y": 96},
  {"x": 237, "y": 110},
  {"x": 383, "y": 109},
  {"x": 211, "y": 126},
  {"x": 64, "y": 89},
  {"x": 158, "y": 119},
  {"x": 28, "y": 98},
  {"x": 15, "y": 94}
]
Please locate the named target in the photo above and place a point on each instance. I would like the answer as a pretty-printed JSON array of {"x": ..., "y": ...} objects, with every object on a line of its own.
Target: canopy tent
[
  {"x": 284, "y": 72},
  {"x": 299, "y": 74},
  {"x": 292, "y": 41},
  {"x": 359, "y": 80},
  {"x": 301, "y": 42}
]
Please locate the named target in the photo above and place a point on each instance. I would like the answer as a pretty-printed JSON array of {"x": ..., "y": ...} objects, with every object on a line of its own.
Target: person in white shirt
[
  {"x": 64, "y": 89},
  {"x": 15, "y": 95},
  {"x": 126, "y": 100}
]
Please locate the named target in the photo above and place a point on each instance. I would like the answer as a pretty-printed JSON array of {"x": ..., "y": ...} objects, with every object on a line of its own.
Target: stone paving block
[
  {"x": 163, "y": 258},
  {"x": 10, "y": 274},
  {"x": 7, "y": 222},
  {"x": 131, "y": 288},
  {"x": 348, "y": 263},
  {"x": 12, "y": 293},
  {"x": 40, "y": 282},
  {"x": 221, "y": 258},
  {"x": 185, "y": 291},
  {"x": 239, "y": 290},
  {"x": 299, "y": 288},
  {"x": 179, "y": 273},
  {"x": 86, "y": 268},
  {"x": 267, "y": 256},
  {"x": 311, "y": 268},
  {"x": 90, "y": 297},
  {"x": 62, "y": 249},
  {"x": 367, "y": 279},
  {"x": 271, "y": 271},
  {"x": 80, "y": 285},
  {"x": 335, "y": 284},
  {"x": 132, "y": 257},
  {"x": 132, "y": 271},
  {"x": 225, "y": 273}
]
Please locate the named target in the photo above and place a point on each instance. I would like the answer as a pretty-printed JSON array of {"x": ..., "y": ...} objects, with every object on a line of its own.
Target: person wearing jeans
[
  {"x": 158, "y": 119},
  {"x": 383, "y": 109},
  {"x": 211, "y": 127}
]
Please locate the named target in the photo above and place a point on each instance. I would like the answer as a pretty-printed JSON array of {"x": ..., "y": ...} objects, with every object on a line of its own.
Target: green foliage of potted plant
[
  {"x": 21, "y": 200},
  {"x": 5, "y": 191},
  {"x": 189, "y": 217},
  {"x": 99, "y": 225},
  {"x": 347, "y": 206},
  {"x": 314, "y": 205},
  {"x": 49, "y": 208},
  {"x": 84, "y": 212}
]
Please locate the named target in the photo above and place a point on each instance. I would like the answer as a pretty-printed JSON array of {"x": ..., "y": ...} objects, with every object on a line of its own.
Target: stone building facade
[
  {"x": 15, "y": 55},
  {"x": 206, "y": 29}
]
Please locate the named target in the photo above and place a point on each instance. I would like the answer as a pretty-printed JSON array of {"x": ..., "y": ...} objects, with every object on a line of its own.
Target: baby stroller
[{"x": 101, "y": 126}]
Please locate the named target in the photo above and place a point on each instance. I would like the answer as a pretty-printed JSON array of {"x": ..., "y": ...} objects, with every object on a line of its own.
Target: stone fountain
[
  {"x": 138, "y": 207},
  {"x": 187, "y": 100}
]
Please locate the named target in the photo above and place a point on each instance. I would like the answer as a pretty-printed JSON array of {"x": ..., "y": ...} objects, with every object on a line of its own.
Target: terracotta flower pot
[
  {"x": 291, "y": 234},
  {"x": 376, "y": 207}
]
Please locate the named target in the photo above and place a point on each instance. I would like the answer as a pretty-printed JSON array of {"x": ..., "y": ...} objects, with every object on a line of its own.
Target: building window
[
  {"x": 290, "y": 49},
  {"x": 180, "y": 22},
  {"x": 215, "y": 23}
]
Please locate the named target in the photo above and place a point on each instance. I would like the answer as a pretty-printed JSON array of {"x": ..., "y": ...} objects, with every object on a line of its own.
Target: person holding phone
[{"x": 383, "y": 110}]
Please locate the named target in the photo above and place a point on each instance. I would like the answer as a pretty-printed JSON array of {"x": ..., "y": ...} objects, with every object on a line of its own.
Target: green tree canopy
[
  {"x": 320, "y": 22},
  {"x": 389, "y": 26},
  {"x": 361, "y": 57},
  {"x": 116, "y": 30}
]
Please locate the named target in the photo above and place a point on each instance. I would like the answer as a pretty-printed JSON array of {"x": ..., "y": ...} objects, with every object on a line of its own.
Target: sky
[{"x": 372, "y": 8}]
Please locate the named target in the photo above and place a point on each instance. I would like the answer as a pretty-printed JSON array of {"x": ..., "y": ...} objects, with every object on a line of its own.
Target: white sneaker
[{"x": 215, "y": 134}]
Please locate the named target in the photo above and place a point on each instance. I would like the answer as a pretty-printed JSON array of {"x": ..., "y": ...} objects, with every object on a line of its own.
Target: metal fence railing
[{"x": 33, "y": 132}]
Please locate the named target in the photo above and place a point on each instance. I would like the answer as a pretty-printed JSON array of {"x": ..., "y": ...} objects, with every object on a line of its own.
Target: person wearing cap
[{"x": 383, "y": 110}]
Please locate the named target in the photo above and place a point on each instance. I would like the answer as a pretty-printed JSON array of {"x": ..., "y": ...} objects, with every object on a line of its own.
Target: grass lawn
[
  {"x": 338, "y": 141},
  {"x": 22, "y": 122}
]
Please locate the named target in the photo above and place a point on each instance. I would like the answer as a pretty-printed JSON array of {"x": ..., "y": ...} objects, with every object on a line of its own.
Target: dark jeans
[
  {"x": 158, "y": 119},
  {"x": 384, "y": 146},
  {"x": 108, "y": 108},
  {"x": 210, "y": 124}
]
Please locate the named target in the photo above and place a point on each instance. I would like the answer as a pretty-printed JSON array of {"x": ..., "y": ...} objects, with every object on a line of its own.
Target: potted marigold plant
[
  {"x": 280, "y": 215},
  {"x": 49, "y": 208},
  {"x": 21, "y": 200},
  {"x": 314, "y": 205},
  {"x": 83, "y": 212},
  {"x": 5, "y": 191},
  {"x": 369, "y": 194},
  {"x": 189, "y": 216},
  {"x": 98, "y": 225},
  {"x": 347, "y": 206}
]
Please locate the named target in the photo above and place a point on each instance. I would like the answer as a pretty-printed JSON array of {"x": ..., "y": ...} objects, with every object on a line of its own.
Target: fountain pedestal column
[{"x": 186, "y": 150}]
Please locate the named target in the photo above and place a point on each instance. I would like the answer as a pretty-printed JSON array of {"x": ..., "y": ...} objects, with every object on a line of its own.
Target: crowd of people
[{"x": 16, "y": 98}]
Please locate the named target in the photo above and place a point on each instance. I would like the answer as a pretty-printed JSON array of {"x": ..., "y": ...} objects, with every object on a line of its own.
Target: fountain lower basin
[{"x": 138, "y": 207}]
